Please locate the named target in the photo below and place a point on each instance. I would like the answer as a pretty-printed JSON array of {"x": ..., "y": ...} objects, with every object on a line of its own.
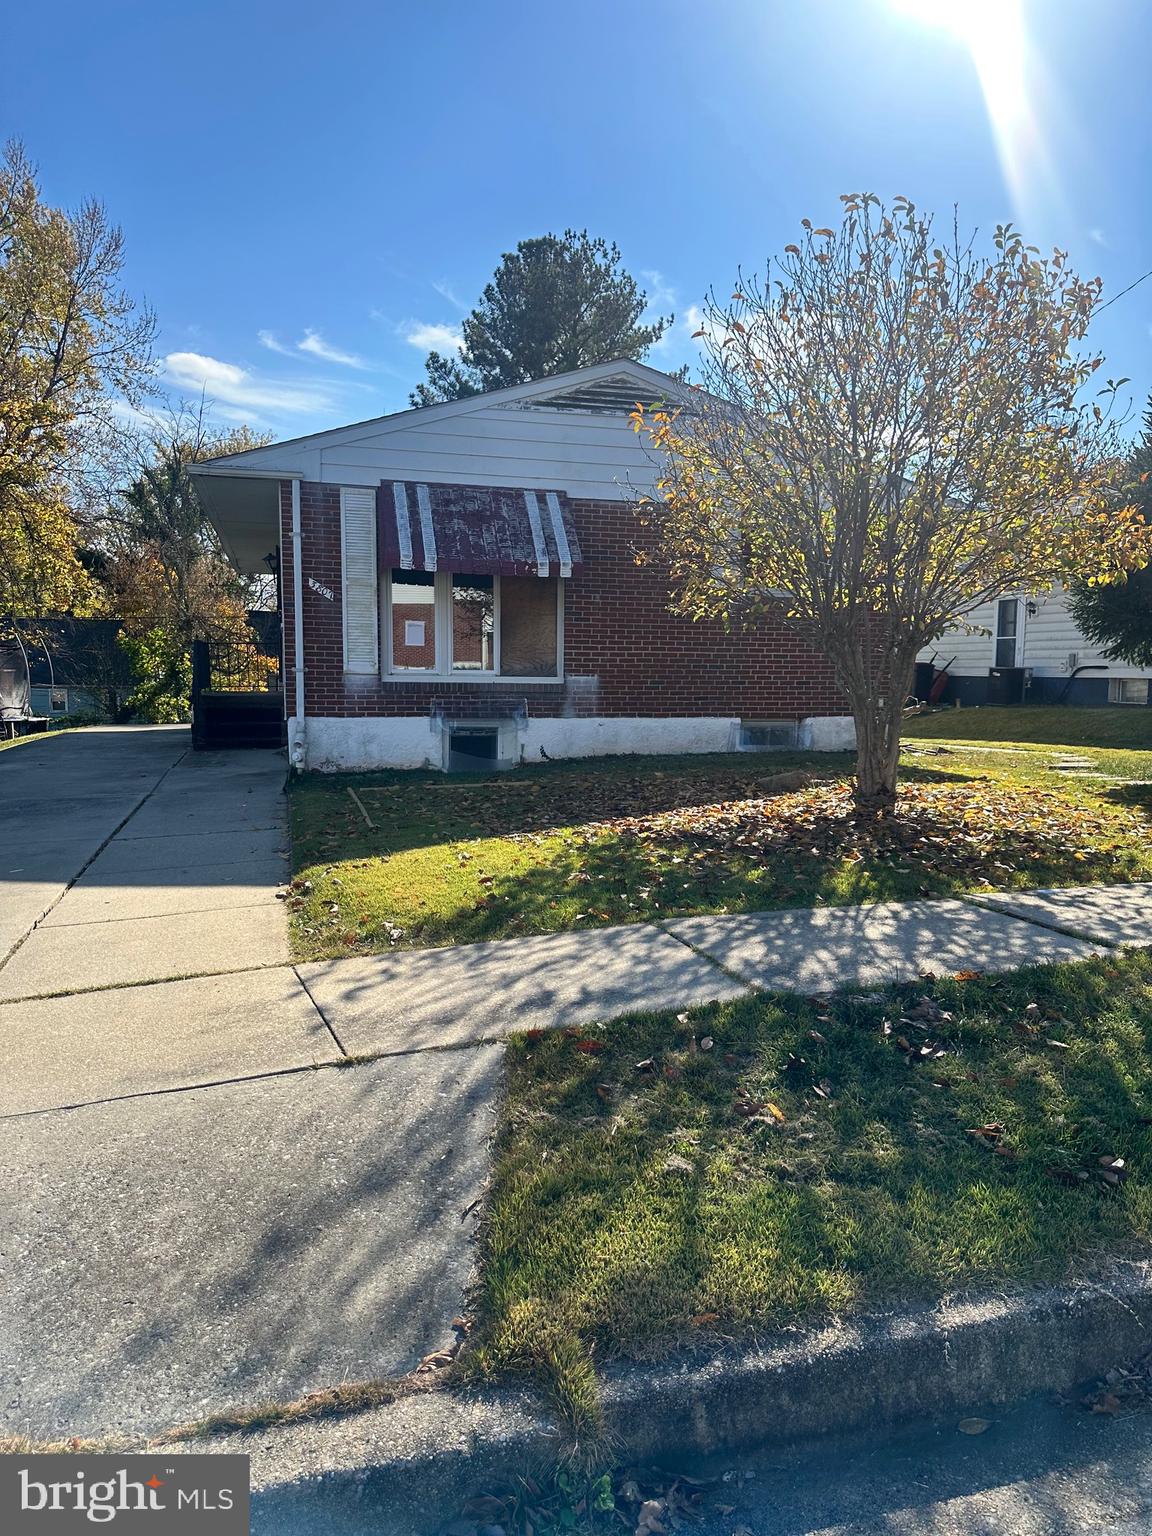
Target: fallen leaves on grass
[{"x": 972, "y": 830}]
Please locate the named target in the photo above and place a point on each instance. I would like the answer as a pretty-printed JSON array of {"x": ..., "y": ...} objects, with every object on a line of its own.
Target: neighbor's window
[
  {"x": 1007, "y": 631},
  {"x": 488, "y": 626},
  {"x": 58, "y": 702},
  {"x": 1128, "y": 690}
]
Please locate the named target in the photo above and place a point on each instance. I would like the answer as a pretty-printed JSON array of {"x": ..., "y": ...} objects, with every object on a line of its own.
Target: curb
[{"x": 411, "y": 1465}]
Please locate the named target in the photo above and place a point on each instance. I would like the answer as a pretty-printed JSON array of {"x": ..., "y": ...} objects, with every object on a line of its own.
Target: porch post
[{"x": 299, "y": 743}]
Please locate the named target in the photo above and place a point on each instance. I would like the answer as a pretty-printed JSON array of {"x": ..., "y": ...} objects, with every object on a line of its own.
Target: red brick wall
[{"x": 624, "y": 653}]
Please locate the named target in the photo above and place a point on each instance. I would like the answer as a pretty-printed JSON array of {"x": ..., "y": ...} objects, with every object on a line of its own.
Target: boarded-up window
[{"x": 527, "y": 626}]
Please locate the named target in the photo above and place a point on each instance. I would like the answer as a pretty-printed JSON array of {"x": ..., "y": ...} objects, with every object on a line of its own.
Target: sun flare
[{"x": 994, "y": 33}]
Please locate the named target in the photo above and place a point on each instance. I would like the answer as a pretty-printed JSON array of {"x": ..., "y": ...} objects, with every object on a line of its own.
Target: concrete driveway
[
  {"x": 61, "y": 798},
  {"x": 192, "y": 1217}
]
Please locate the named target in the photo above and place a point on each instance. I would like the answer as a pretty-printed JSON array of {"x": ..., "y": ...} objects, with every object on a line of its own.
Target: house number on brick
[{"x": 325, "y": 592}]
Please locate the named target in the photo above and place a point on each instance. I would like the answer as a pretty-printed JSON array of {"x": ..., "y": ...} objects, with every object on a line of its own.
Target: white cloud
[
  {"x": 661, "y": 294},
  {"x": 315, "y": 345},
  {"x": 230, "y": 385},
  {"x": 312, "y": 344},
  {"x": 1098, "y": 237},
  {"x": 269, "y": 339},
  {"x": 445, "y": 292},
  {"x": 435, "y": 338}
]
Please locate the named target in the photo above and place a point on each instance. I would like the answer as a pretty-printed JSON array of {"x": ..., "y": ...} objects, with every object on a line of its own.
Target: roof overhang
[{"x": 244, "y": 509}]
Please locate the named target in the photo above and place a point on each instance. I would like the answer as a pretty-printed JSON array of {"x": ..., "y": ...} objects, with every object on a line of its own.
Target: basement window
[
  {"x": 472, "y": 749},
  {"x": 1128, "y": 690},
  {"x": 768, "y": 735},
  {"x": 473, "y": 627}
]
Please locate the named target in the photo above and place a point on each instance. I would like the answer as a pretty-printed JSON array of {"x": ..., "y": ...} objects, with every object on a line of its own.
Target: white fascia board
[{"x": 224, "y": 470}]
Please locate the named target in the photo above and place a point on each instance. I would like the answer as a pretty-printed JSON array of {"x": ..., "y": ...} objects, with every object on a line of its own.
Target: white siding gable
[
  {"x": 520, "y": 437},
  {"x": 587, "y": 454}
]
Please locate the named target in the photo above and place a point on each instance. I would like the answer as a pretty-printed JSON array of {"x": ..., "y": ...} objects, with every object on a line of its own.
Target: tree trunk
[
  {"x": 877, "y": 757},
  {"x": 879, "y": 718}
]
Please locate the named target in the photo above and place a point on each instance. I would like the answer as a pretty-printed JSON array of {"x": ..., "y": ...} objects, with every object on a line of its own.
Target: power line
[{"x": 1123, "y": 291}]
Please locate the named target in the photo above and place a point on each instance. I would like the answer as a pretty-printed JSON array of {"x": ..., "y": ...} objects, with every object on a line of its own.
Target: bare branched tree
[{"x": 892, "y": 431}]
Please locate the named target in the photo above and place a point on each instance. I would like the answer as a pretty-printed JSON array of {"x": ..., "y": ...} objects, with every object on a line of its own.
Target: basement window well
[
  {"x": 768, "y": 735},
  {"x": 480, "y": 746}
]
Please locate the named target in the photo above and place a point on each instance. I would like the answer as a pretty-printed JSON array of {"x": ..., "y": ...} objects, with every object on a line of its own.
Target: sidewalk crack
[
  {"x": 702, "y": 954},
  {"x": 1039, "y": 920},
  {"x": 323, "y": 1016}
]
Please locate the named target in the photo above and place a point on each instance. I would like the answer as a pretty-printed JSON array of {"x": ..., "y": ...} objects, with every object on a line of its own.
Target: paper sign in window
[{"x": 413, "y": 631}]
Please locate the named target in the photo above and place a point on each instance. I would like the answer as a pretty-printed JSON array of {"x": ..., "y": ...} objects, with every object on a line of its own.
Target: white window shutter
[{"x": 358, "y": 558}]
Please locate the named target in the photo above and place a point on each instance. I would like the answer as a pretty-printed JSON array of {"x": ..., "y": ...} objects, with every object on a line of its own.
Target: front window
[
  {"x": 473, "y": 623},
  {"x": 529, "y": 634},
  {"x": 458, "y": 625},
  {"x": 413, "y": 621},
  {"x": 1128, "y": 690}
]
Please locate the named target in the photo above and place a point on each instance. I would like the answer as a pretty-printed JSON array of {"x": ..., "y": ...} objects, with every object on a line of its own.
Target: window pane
[
  {"x": 527, "y": 626},
  {"x": 1007, "y": 626},
  {"x": 413, "y": 621},
  {"x": 473, "y": 609}
]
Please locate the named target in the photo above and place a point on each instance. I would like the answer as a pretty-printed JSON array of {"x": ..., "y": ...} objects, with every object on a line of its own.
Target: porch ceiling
[{"x": 245, "y": 512}]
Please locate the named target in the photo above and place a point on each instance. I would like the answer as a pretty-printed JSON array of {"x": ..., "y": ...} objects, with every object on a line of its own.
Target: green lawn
[
  {"x": 675, "y": 1177},
  {"x": 1130, "y": 726},
  {"x": 581, "y": 844}
]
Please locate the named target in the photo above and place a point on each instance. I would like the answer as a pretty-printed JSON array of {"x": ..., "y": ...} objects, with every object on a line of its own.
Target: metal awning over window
[{"x": 476, "y": 529}]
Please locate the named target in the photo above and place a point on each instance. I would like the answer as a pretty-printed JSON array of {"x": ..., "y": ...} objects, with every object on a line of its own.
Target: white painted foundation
[
  {"x": 827, "y": 733},
  {"x": 340, "y": 745}
]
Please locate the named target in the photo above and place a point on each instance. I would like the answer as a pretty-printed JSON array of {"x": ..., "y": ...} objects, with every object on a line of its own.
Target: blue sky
[{"x": 311, "y": 194}]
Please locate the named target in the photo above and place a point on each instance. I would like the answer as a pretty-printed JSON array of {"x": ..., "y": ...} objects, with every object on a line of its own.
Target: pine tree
[
  {"x": 1117, "y": 616},
  {"x": 554, "y": 304}
]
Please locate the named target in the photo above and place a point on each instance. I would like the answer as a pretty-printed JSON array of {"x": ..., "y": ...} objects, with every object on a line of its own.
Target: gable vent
[
  {"x": 358, "y": 559},
  {"x": 608, "y": 397}
]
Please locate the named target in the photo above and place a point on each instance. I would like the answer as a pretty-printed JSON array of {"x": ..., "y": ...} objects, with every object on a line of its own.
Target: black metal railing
[
  {"x": 237, "y": 692},
  {"x": 240, "y": 664}
]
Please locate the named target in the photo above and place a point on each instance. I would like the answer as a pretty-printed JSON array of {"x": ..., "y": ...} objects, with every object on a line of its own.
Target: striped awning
[{"x": 475, "y": 529}]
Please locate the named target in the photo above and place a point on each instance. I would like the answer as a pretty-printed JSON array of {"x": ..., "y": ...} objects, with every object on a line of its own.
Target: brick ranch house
[{"x": 459, "y": 585}]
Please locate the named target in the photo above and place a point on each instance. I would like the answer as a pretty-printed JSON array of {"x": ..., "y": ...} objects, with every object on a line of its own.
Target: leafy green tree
[
  {"x": 555, "y": 303},
  {"x": 1117, "y": 615},
  {"x": 168, "y": 579},
  {"x": 72, "y": 346},
  {"x": 892, "y": 432}
]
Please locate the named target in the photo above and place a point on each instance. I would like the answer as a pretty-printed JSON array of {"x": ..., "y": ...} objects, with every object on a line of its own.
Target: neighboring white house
[{"x": 1026, "y": 648}]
